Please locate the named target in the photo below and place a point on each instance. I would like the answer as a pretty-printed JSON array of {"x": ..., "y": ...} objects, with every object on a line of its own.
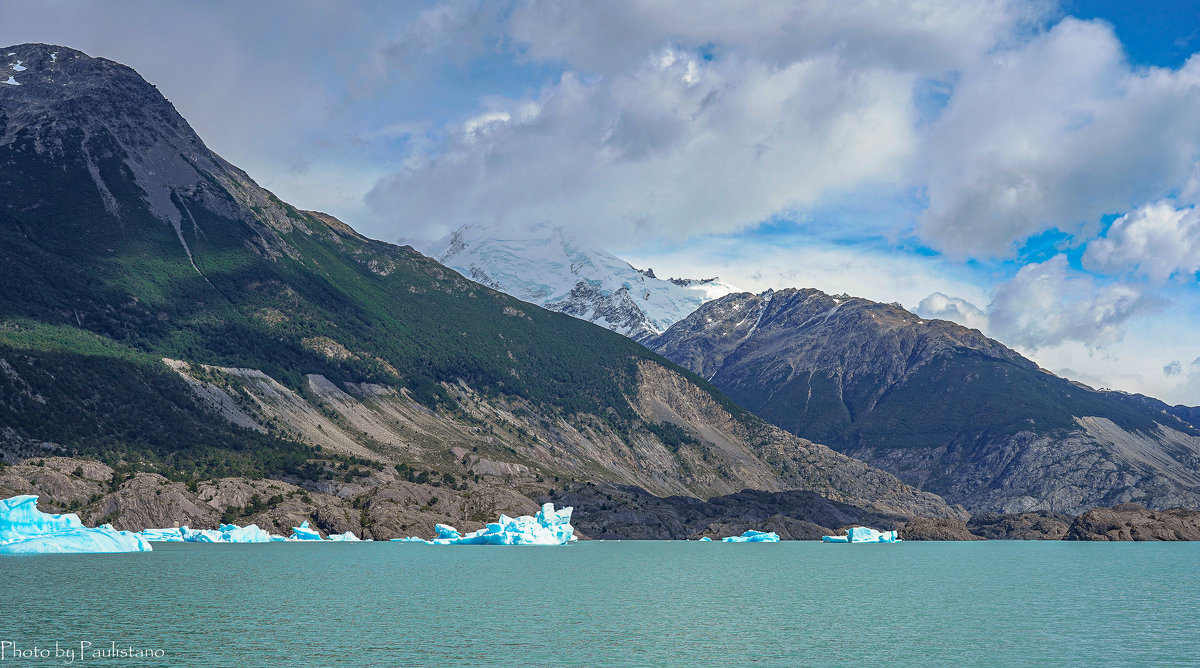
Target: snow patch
[
  {"x": 18, "y": 67},
  {"x": 53, "y": 56},
  {"x": 551, "y": 268},
  {"x": 11, "y": 81}
]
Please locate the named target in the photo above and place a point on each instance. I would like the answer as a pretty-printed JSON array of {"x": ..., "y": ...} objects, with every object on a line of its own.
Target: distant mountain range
[
  {"x": 553, "y": 269},
  {"x": 943, "y": 407},
  {"x": 162, "y": 313}
]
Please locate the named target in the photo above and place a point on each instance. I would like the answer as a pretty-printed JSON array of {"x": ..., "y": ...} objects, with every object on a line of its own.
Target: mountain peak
[{"x": 555, "y": 268}]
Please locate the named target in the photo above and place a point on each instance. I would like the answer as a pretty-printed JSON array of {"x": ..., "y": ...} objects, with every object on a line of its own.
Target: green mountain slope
[{"x": 159, "y": 309}]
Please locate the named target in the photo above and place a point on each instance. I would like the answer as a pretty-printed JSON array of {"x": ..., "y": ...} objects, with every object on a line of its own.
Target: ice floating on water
[
  {"x": 752, "y": 536},
  {"x": 228, "y": 533},
  {"x": 26, "y": 530},
  {"x": 548, "y": 527},
  {"x": 163, "y": 535},
  {"x": 303, "y": 532},
  {"x": 345, "y": 537},
  {"x": 705, "y": 539},
  {"x": 864, "y": 535}
]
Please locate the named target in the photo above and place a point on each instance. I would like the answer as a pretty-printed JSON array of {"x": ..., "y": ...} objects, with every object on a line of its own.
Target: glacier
[
  {"x": 752, "y": 536},
  {"x": 26, "y": 530},
  {"x": 554, "y": 269},
  {"x": 863, "y": 535},
  {"x": 547, "y": 527}
]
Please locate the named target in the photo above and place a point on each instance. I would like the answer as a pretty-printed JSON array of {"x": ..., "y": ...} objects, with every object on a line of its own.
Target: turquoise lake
[{"x": 612, "y": 603}]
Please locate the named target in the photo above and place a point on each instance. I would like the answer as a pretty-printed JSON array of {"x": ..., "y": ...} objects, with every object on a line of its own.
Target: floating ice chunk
[
  {"x": 26, "y": 530},
  {"x": 11, "y": 81},
  {"x": 227, "y": 533},
  {"x": 863, "y": 535},
  {"x": 174, "y": 535},
  {"x": 548, "y": 527},
  {"x": 705, "y": 539},
  {"x": 410, "y": 539},
  {"x": 18, "y": 67},
  {"x": 348, "y": 537},
  {"x": 752, "y": 536},
  {"x": 303, "y": 532}
]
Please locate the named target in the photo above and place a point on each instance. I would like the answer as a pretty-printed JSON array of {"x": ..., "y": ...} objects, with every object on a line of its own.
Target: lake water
[{"x": 612, "y": 603}]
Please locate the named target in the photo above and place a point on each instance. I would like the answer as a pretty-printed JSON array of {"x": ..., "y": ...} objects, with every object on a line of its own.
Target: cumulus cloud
[
  {"x": 1047, "y": 304},
  {"x": 944, "y": 307},
  {"x": 678, "y": 146},
  {"x": 1173, "y": 368},
  {"x": 1156, "y": 241},
  {"x": 1054, "y": 134}
]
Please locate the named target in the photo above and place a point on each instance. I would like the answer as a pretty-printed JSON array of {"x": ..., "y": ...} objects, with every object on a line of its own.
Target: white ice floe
[
  {"x": 752, "y": 536},
  {"x": 26, "y": 530},
  {"x": 548, "y": 527},
  {"x": 863, "y": 535}
]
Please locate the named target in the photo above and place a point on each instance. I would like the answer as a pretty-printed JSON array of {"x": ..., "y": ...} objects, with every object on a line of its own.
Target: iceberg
[
  {"x": 347, "y": 537},
  {"x": 548, "y": 527},
  {"x": 304, "y": 532},
  {"x": 163, "y": 535},
  {"x": 705, "y": 539},
  {"x": 228, "y": 533},
  {"x": 26, "y": 530},
  {"x": 863, "y": 535},
  {"x": 752, "y": 536}
]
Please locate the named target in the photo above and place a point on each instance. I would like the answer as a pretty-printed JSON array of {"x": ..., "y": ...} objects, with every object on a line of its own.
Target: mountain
[
  {"x": 553, "y": 269},
  {"x": 941, "y": 406},
  {"x": 226, "y": 355}
]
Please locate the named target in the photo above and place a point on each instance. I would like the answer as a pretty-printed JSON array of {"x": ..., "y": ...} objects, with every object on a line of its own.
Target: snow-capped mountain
[{"x": 554, "y": 269}]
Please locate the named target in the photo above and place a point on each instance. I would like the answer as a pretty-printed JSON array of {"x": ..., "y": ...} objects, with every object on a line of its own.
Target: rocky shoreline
[{"x": 384, "y": 504}]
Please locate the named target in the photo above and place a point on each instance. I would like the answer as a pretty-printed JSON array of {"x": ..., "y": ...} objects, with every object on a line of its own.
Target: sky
[{"x": 1027, "y": 167}]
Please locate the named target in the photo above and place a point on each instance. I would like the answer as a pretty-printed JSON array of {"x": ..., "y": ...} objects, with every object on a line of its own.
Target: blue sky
[{"x": 1021, "y": 166}]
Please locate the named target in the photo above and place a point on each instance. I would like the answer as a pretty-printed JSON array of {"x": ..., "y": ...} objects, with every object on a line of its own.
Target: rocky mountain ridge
[{"x": 941, "y": 406}]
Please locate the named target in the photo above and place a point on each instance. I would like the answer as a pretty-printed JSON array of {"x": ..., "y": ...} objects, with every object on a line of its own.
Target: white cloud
[
  {"x": 1055, "y": 134},
  {"x": 944, "y": 307},
  {"x": 756, "y": 265},
  {"x": 1156, "y": 241},
  {"x": 1047, "y": 303},
  {"x": 676, "y": 147}
]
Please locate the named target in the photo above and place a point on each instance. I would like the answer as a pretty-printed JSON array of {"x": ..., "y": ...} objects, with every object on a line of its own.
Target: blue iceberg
[
  {"x": 752, "y": 536},
  {"x": 705, "y": 539},
  {"x": 26, "y": 530},
  {"x": 548, "y": 527},
  {"x": 863, "y": 535},
  {"x": 163, "y": 535},
  {"x": 228, "y": 533},
  {"x": 304, "y": 532},
  {"x": 347, "y": 537}
]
